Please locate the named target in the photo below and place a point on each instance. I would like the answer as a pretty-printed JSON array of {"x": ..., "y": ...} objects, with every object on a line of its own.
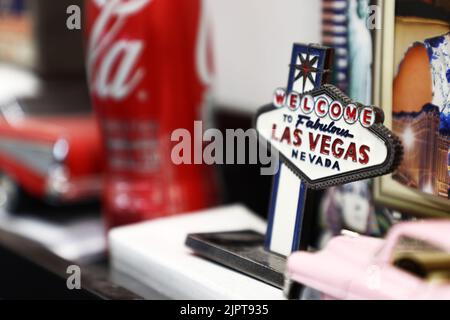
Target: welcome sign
[
  {"x": 324, "y": 139},
  {"x": 328, "y": 139}
]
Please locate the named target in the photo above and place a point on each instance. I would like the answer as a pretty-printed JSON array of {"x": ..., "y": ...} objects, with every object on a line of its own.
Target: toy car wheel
[{"x": 10, "y": 194}]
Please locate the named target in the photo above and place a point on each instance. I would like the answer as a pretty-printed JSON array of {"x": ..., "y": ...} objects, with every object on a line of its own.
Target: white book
[{"x": 154, "y": 253}]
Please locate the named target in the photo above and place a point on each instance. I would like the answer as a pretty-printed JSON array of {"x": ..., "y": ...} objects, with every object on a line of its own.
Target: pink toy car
[{"x": 413, "y": 262}]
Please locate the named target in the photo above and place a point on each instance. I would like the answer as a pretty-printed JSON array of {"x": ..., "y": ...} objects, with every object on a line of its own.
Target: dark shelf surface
[{"x": 31, "y": 271}]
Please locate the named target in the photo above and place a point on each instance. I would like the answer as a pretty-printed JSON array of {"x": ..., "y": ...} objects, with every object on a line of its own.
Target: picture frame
[{"x": 387, "y": 190}]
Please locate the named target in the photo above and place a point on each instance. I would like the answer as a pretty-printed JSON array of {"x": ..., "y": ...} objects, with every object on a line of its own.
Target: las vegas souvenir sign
[{"x": 326, "y": 138}]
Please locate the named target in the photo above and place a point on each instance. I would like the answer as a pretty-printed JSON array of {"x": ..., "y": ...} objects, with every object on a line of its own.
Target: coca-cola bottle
[{"x": 149, "y": 65}]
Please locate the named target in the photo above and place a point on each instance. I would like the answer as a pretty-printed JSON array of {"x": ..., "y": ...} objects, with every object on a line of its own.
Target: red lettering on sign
[
  {"x": 363, "y": 150},
  {"x": 307, "y": 104},
  {"x": 294, "y": 101},
  {"x": 286, "y": 136},
  {"x": 297, "y": 137},
  {"x": 274, "y": 130},
  {"x": 279, "y": 98},
  {"x": 325, "y": 146},
  {"x": 313, "y": 142},
  {"x": 321, "y": 107},
  {"x": 336, "y": 151},
  {"x": 367, "y": 117},
  {"x": 336, "y": 110},
  {"x": 351, "y": 152},
  {"x": 351, "y": 114}
]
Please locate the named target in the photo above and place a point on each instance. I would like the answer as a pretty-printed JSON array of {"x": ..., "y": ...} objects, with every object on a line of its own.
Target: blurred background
[{"x": 50, "y": 161}]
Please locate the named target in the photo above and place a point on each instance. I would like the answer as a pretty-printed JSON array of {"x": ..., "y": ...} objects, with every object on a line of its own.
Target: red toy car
[{"x": 49, "y": 149}]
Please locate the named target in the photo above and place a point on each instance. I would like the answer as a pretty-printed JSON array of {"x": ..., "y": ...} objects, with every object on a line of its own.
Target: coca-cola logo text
[{"x": 116, "y": 74}]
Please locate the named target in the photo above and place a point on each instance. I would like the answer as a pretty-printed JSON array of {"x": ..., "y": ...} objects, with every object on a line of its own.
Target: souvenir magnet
[{"x": 324, "y": 139}]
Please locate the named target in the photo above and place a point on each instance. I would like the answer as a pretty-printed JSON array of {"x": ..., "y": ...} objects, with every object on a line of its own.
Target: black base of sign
[{"x": 242, "y": 251}]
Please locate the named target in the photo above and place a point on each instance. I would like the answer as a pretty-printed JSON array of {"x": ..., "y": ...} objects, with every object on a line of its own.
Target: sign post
[{"x": 309, "y": 69}]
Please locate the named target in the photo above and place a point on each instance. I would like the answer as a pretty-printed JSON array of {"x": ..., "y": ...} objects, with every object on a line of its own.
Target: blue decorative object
[{"x": 438, "y": 51}]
